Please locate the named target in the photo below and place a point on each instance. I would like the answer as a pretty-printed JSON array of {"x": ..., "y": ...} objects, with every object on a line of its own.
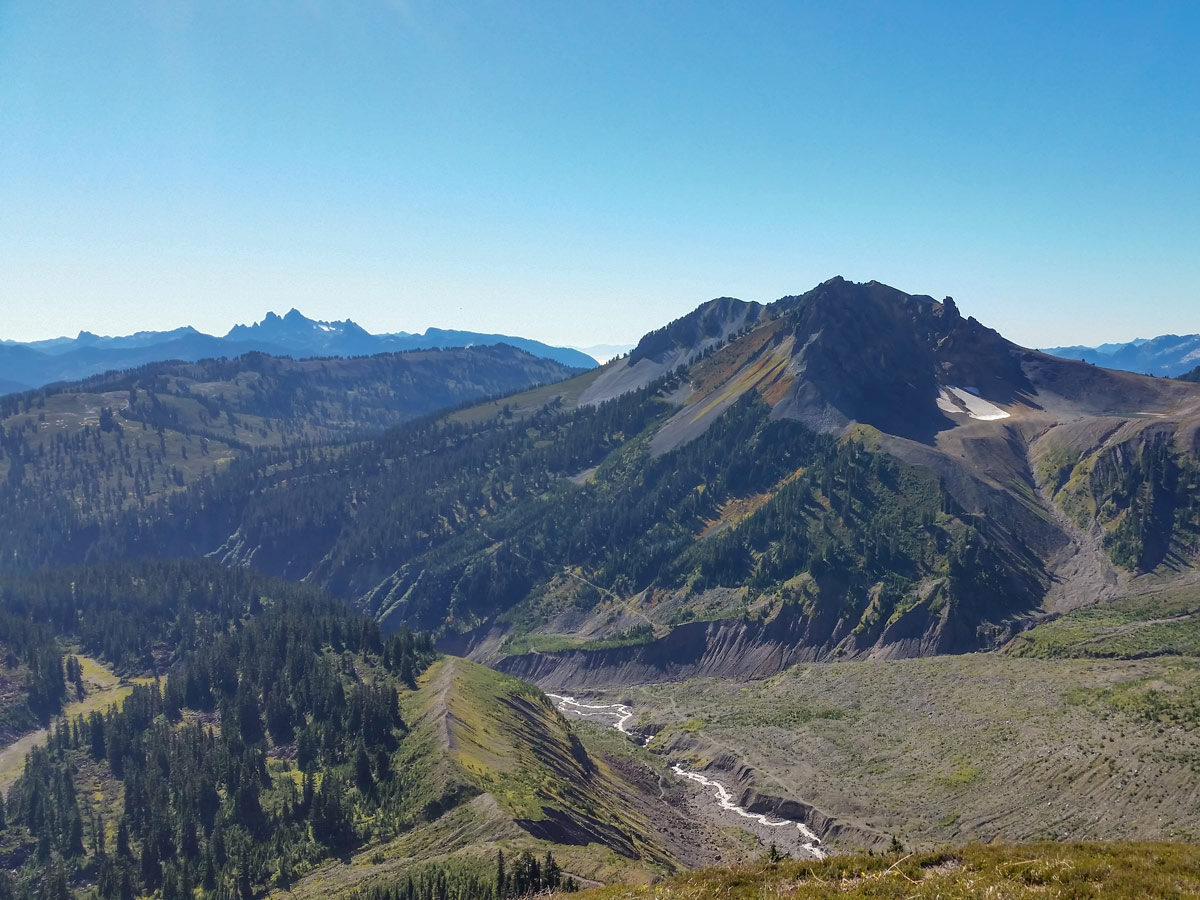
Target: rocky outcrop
[
  {"x": 744, "y": 649},
  {"x": 730, "y": 649},
  {"x": 740, "y": 779}
]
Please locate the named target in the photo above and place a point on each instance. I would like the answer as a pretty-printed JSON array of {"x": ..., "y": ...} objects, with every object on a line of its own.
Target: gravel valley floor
[{"x": 953, "y": 749}]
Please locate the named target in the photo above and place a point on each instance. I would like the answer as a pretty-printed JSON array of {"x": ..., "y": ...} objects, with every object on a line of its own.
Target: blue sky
[{"x": 582, "y": 172}]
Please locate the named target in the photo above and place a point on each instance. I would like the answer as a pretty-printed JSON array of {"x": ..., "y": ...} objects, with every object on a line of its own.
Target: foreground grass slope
[{"x": 1076, "y": 870}]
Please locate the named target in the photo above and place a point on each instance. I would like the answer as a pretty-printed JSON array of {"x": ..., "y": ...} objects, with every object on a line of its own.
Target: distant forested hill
[{"x": 124, "y": 439}]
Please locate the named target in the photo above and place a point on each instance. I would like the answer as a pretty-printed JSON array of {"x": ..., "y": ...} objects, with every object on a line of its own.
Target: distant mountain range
[
  {"x": 1169, "y": 355},
  {"x": 30, "y": 365}
]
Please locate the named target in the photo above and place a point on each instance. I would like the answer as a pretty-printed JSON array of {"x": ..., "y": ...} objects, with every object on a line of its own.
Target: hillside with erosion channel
[{"x": 618, "y": 716}]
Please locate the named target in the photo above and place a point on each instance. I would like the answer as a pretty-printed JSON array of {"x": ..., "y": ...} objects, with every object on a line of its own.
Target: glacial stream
[{"x": 623, "y": 714}]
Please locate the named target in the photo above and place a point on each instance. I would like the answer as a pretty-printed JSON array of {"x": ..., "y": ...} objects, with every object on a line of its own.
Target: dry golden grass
[
  {"x": 103, "y": 690},
  {"x": 1000, "y": 871}
]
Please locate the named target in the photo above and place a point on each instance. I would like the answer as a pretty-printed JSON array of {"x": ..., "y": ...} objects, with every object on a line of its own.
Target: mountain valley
[
  {"x": 804, "y": 475},
  {"x": 872, "y": 568}
]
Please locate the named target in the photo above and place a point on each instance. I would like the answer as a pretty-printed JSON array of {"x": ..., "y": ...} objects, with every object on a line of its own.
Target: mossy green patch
[{"x": 1165, "y": 623}]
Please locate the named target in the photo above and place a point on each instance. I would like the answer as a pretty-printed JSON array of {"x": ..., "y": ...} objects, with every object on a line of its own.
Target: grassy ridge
[
  {"x": 507, "y": 740},
  {"x": 490, "y": 765}
]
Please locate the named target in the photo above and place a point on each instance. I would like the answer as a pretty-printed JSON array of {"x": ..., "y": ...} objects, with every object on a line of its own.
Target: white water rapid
[{"x": 623, "y": 714}]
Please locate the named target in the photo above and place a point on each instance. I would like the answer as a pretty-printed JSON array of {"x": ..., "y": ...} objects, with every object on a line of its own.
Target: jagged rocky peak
[
  {"x": 847, "y": 352},
  {"x": 294, "y": 326},
  {"x": 873, "y": 326},
  {"x": 864, "y": 352},
  {"x": 837, "y": 296},
  {"x": 909, "y": 365},
  {"x": 292, "y": 319}
]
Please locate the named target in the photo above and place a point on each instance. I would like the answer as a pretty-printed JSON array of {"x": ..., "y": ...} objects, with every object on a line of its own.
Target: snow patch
[{"x": 966, "y": 400}]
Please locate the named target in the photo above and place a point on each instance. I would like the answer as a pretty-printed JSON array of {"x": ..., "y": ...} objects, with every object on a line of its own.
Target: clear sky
[{"x": 582, "y": 172}]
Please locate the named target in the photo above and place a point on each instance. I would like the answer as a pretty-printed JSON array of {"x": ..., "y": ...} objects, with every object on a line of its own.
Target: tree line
[
  {"x": 524, "y": 876},
  {"x": 205, "y": 762}
]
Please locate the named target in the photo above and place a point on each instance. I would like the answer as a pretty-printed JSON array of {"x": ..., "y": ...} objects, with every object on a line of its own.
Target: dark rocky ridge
[{"x": 709, "y": 322}]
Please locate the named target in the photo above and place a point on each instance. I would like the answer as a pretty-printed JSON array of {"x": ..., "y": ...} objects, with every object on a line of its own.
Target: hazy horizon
[
  {"x": 222, "y": 332},
  {"x": 584, "y": 345}
]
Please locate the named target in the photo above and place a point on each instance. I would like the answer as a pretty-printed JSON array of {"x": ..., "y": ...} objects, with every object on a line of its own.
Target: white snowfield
[
  {"x": 623, "y": 713},
  {"x": 967, "y": 400}
]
